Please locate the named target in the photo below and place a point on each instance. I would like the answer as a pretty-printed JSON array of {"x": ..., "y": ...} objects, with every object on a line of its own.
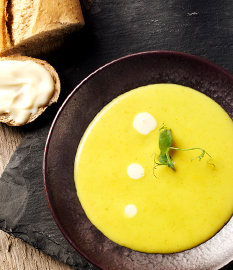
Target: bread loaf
[
  {"x": 32, "y": 26},
  {"x": 7, "y": 117}
]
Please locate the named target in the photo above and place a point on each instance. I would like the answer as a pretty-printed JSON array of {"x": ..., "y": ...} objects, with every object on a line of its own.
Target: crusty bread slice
[
  {"x": 6, "y": 118},
  {"x": 37, "y": 25},
  {"x": 4, "y": 35}
]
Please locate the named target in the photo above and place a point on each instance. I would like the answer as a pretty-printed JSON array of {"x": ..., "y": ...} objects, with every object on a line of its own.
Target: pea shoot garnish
[{"x": 165, "y": 145}]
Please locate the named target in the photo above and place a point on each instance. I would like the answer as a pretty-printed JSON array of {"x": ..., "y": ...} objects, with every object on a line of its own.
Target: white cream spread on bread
[{"x": 25, "y": 86}]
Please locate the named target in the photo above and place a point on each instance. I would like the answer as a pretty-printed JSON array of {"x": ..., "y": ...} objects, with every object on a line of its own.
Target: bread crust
[
  {"x": 6, "y": 117},
  {"x": 4, "y": 35},
  {"x": 35, "y": 26}
]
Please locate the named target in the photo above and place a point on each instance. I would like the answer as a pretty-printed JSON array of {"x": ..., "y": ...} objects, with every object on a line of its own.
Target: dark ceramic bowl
[{"x": 81, "y": 106}]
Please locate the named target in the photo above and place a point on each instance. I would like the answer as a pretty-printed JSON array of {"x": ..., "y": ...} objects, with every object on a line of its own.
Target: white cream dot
[
  {"x": 130, "y": 210},
  {"x": 135, "y": 171},
  {"x": 144, "y": 123}
]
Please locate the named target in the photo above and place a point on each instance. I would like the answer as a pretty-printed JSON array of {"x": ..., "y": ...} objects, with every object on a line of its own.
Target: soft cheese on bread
[
  {"x": 37, "y": 25},
  {"x": 27, "y": 87}
]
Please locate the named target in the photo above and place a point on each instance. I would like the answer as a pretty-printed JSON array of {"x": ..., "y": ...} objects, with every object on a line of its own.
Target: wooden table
[{"x": 14, "y": 253}]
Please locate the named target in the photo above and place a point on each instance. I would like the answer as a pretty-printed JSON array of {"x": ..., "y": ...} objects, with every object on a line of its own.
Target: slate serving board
[{"x": 114, "y": 28}]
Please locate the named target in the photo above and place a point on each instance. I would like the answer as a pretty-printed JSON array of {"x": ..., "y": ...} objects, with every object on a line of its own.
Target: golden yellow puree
[{"x": 175, "y": 210}]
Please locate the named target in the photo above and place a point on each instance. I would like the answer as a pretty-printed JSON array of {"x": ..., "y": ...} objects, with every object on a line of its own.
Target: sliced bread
[{"x": 6, "y": 117}]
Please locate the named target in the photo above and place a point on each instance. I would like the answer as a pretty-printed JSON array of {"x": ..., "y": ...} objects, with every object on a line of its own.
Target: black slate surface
[{"x": 114, "y": 28}]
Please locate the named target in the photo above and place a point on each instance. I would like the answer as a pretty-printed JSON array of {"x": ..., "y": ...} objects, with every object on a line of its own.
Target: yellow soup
[{"x": 161, "y": 211}]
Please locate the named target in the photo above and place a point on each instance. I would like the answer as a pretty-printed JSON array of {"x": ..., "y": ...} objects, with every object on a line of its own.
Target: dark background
[{"x": 113, "y": 29}]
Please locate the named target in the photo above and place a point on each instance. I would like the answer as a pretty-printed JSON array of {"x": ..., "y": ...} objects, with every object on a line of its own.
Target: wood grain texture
[
  {"x": 17, "y": 255},
  {"x": 10, "y": 138},
  {"x": 14, "y": 253}
]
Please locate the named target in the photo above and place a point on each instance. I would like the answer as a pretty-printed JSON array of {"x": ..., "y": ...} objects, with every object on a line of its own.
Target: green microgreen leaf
[{"x": 165, "y": 142}]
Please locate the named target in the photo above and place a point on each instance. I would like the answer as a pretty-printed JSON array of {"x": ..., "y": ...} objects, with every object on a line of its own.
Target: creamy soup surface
[{"x": 157, "y": 210}]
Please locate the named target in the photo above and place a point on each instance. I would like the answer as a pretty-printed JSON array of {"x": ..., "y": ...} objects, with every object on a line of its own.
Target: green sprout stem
[{"x": 203, "y": 152}]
